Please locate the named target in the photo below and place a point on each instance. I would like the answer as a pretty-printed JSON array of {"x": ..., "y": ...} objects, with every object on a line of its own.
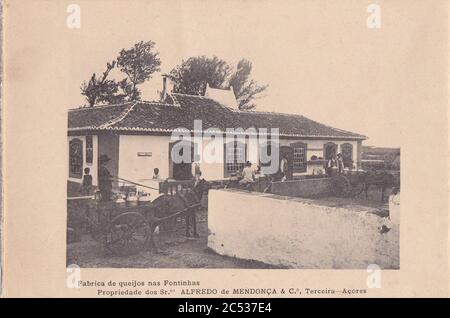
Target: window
[
  {"x": 265, "y": 154},
  {"x": 89, "y": 149},
  {"x": 76, "y": 158},
  {"x": 235, "y": 157},
  {"x": 329, "y": 150},
  {"x": 299, "y": 162},
  {"x": 347, "y": 155}
]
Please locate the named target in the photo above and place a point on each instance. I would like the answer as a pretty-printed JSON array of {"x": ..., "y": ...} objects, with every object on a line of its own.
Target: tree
[
  {"x": 245, "y": 89},
  {"x": 138, "y": 63},
  {"x": 101, "y": 89},
  {"x": 194, "y": 73}
]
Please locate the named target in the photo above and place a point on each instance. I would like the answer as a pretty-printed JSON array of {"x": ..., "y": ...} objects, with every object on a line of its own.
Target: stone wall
[
  {"x": 305, "y": 188},
  {"x": 299, "y": 233}
]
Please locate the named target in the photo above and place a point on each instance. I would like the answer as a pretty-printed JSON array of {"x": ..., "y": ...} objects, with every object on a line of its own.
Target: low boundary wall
[
  {"x": 305, "y": 188},
  {"x": 299, "y": 233}
]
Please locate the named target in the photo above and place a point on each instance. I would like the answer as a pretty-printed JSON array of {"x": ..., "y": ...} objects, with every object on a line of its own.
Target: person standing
[
  {"x": 104, "y": 179},
  {"x": 283, "y": 169},
  {"x": 340, "y": 163},
  {"x": 86, "y": 185},
  {"x": 331, "y": 168},
  {"x": 156, "y": 174}
]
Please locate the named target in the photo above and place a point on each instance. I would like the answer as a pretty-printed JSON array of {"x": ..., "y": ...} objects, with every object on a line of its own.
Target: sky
[{"x": 319, "y": 58}]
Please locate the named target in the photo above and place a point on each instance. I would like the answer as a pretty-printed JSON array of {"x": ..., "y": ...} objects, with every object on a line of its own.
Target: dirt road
[{"x": 176, "y": 251}]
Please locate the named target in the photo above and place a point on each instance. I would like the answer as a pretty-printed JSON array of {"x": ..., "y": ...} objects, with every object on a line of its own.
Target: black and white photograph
[
  {"x": 195, "y": 149},
  {"x": 198, "y": 158}
]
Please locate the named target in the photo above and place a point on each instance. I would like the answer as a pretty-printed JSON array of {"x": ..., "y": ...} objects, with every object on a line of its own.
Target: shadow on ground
[{"x": 175, "y": 251}]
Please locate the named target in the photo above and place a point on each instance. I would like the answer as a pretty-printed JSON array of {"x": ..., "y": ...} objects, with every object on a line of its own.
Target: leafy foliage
[
  {"x": 192, "y": 75},
  {"x": 138, "y": 63},
  {"x": 101, "y": 89},
  {"x": 246, "y": 89}
]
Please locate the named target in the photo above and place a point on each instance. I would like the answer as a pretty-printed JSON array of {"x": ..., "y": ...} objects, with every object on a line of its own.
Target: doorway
[
  {"x": 329, "y": 150},
  {"x": 181, "y": 170},
  {"x": 286, "y": 162}
]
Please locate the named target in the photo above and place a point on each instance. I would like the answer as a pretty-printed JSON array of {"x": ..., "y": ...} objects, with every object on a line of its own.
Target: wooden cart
[
  {"x": 352, "y": 184},
  {"x": 127, "y": 229}
]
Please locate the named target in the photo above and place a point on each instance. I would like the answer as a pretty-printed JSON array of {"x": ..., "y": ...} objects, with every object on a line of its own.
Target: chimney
[
  {"x": 167, "y": 86},
  {"x": 226, "y": 97}
]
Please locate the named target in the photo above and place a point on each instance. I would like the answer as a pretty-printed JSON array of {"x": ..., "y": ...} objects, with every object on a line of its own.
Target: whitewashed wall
[
  {"x": 299, "y": 233},
  {"x": 93, "y": 166},
  {"x": 314, "y": 147},
  {"x": 212, "y": 170},
  {"x": 136, "y": 168},
  {"x": 133, "y": 167},
  {"x": 140, "y": 168}
]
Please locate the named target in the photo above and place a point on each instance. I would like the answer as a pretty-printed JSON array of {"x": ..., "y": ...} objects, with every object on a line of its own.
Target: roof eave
[{"x": 158, "y": 131}]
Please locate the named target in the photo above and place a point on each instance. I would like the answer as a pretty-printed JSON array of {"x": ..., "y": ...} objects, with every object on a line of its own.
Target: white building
[{"x": 137, "y": 137}]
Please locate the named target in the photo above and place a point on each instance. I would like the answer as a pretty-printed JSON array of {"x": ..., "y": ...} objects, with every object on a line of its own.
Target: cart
[
  {"x": 128, "y": 228},
  {"x": 354, "y": 183}
]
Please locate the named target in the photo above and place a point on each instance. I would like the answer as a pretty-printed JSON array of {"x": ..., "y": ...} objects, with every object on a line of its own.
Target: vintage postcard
[{"x": 224, "y": 148}]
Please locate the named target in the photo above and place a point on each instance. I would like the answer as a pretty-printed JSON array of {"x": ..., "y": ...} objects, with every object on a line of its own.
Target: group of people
[
  {"x": 104, "y": 180},
  {"x": 334, "y": 165}
]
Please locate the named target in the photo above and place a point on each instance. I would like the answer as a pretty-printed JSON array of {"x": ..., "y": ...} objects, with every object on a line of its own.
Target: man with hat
[{"x": 104, "y": 178}]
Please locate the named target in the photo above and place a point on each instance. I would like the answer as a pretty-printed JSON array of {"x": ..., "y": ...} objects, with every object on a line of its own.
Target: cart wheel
[
  {"x": 98, "y": 222},
  {"x": 128, "y": 234},
  {"x": 341, "y": 186},
  {"x": 357, "y": 189},
  {"x": 99, "y": 233}
]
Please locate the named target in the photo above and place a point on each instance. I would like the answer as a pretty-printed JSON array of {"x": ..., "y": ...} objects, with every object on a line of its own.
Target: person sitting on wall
[
  {"x": 104, "y": 179},
  {"x": 86, "y": 185},
  {"x": 248, "y": 175},
  {"x": 156, "y": 174}
]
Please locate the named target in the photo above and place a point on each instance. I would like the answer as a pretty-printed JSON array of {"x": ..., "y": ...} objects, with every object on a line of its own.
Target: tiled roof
[
  {"x": 94, "y": 117},
  {"x": 184, "y": 109}
]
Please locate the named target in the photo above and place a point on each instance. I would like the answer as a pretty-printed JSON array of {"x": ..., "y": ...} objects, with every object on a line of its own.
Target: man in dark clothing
[
  {"x": 340, "y": 163},
  {"x": 104, "y": 179},
  {"x": 331, "y": 167},
  {"x": 86, "y": 186}
]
